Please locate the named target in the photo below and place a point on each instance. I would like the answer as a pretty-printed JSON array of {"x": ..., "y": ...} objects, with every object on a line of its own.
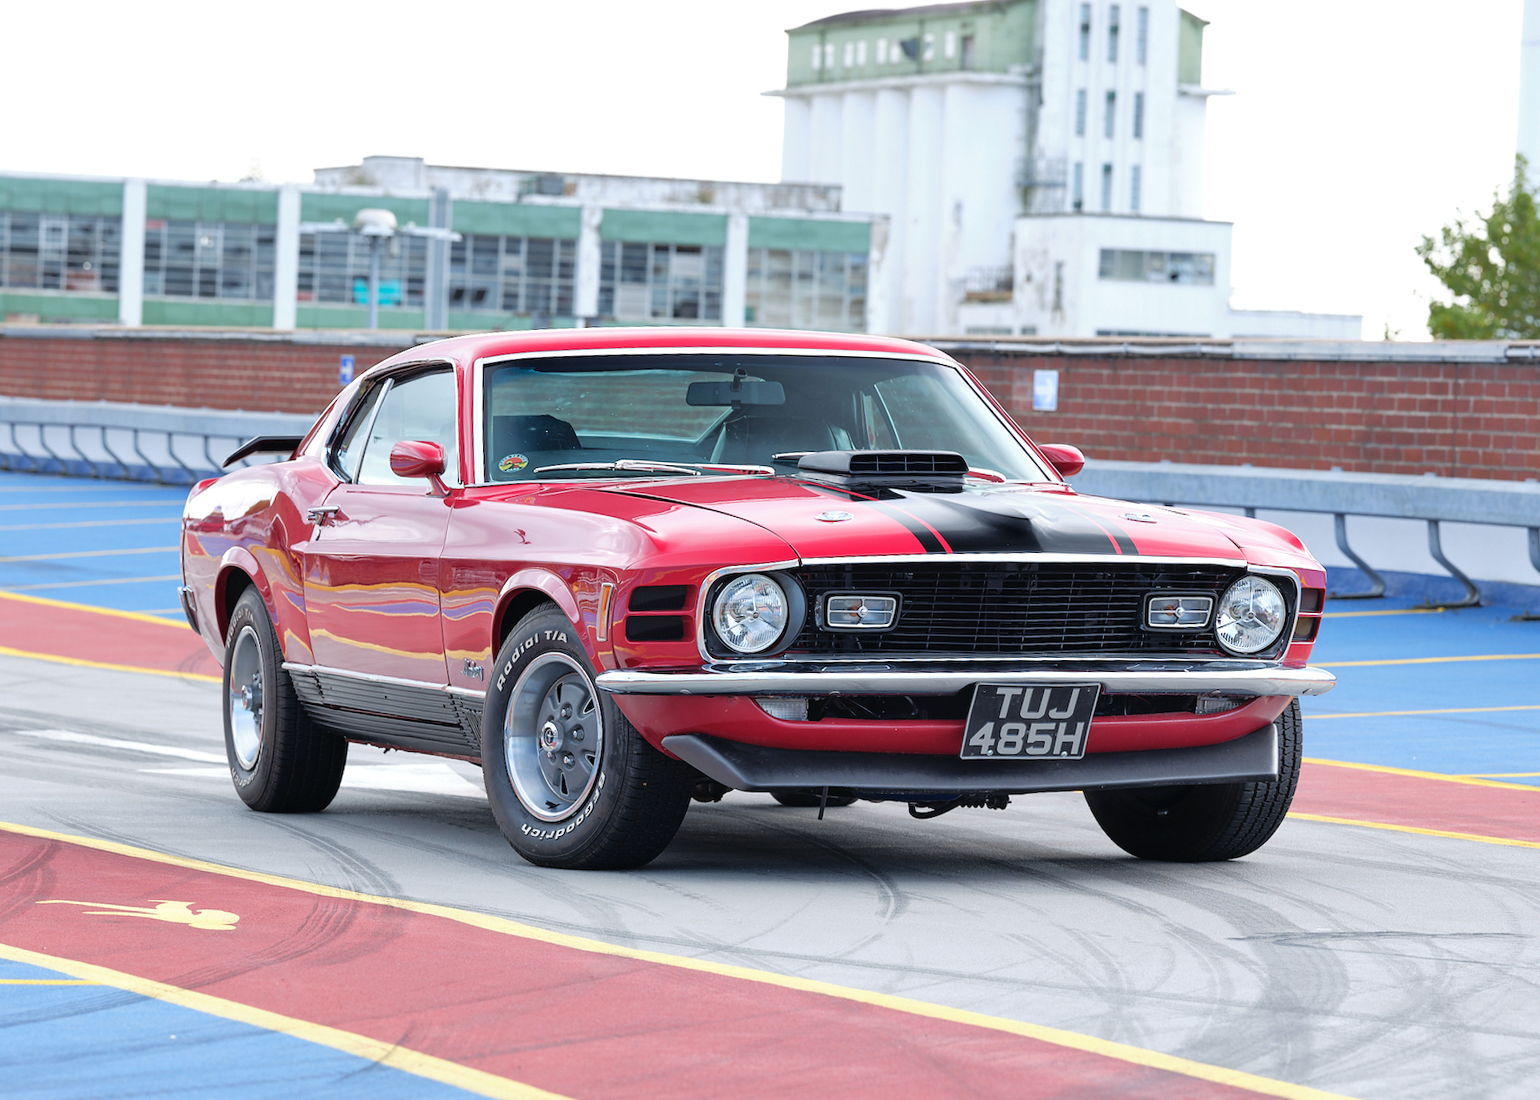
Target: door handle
[{"x": 320, "y": 516}]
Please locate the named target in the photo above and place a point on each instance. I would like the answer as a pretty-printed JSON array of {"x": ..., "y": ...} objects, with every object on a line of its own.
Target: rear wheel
[
  {"x": 279, "y": 761},
  {"x": 571, "y": 782},
  {"x": 1207, "y": 822}
]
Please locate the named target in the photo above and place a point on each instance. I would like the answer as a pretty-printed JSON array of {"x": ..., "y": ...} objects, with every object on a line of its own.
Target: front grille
[{"x": 1013, "y": 607}]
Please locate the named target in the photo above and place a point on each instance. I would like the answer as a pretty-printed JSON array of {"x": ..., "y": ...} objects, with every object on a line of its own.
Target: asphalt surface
[{"x": 1363, "y": 961}]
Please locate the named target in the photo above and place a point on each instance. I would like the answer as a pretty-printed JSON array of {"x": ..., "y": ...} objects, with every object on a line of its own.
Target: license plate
[{"x": 1029, "y": 721}]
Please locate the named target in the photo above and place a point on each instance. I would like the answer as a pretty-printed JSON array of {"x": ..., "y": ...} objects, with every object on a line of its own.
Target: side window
[
  {"x": 419, "y": 407},
  {"x": 351, "y": 448}
]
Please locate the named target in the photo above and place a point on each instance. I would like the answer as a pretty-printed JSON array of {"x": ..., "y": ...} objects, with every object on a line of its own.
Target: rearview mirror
[
  {"x": 419, "y": 458},
  {"x": 1064, "y": 458},
  {"x": 737, "y": 392}
]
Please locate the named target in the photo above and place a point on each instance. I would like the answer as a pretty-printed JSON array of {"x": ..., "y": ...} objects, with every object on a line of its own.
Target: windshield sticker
[{"x": 512, "y": 462}]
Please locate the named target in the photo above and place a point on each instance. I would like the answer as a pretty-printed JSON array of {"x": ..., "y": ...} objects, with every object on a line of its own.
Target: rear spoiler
[{"x": 267, "y": 445}]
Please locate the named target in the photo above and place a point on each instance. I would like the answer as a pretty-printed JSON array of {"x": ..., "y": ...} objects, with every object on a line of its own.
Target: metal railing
[{"x": 1435, "y": 500}]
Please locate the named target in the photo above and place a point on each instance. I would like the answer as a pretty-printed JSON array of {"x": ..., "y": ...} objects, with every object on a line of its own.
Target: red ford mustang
[{"x": 624, "y": 568}]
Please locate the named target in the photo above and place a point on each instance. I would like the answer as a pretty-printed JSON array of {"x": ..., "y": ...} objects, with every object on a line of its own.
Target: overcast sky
[{"x": 1358, "y": 125}]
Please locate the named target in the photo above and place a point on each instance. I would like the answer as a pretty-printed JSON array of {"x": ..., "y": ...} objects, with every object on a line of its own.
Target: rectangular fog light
[
  {"x": 1178, "y": 612},
  {"x": 859, "y": 612},
  {"x": 788, "y": 708}
]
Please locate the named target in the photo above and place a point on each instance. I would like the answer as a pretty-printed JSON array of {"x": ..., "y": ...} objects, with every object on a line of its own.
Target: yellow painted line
[
  {"x": 1420, "y": 832},
  {"x": 46, "y": 981},
  {"x": 7, "y": 651},
  {"x": 44, "y": 601},
  {"x": 90, "y": 584},
  {"x": 361, "y": 1046},
  {"x": 1465, "y": 779},
  {"x": 92, "y": 554},
  {"x": 1072, "y": 1040},
  {"x": 1436, "y": 660},
  {"x": 1398, "y": 611},
  {"x": 1401, "y": 713}
]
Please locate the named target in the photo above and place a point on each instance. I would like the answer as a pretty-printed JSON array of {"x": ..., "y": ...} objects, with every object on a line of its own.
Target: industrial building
[{"x": 1041, "y": 161}]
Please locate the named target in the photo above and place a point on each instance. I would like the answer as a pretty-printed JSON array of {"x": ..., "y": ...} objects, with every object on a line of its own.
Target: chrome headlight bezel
[
  {"x": 793, "y": 613},
  {"x": 1261, "y": 587}
]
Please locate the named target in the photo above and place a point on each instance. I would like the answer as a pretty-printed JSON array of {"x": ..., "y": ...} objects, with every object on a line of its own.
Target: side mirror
[
  {"x": 1062, "y": 457},
  {"x": 419, "y": 458}
]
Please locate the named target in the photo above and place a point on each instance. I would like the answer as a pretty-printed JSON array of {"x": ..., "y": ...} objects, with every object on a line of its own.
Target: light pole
[{"x": 378, "y": 227}]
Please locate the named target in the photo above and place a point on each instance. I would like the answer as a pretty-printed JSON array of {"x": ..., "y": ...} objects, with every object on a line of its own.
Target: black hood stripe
[{"x": 974, "y": 523}]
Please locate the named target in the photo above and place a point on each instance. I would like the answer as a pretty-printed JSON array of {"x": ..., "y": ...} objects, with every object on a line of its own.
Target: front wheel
[
  {"x": 1204, "y": 823},
  {"x": 279, "y": 761},
  {"x": 571, "y": 782}
]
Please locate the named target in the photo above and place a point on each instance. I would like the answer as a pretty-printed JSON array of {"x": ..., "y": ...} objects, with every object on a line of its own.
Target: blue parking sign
[{"x": 344, "y": 370}]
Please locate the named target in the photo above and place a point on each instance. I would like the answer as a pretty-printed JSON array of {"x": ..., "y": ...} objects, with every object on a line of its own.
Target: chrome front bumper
[{"x": 1116, "y": 676}]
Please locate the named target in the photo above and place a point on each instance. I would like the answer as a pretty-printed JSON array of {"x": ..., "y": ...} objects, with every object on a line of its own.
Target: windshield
[{"x": 565, "y": 417}]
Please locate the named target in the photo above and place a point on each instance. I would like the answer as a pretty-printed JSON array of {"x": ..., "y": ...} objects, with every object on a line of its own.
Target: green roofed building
[{"x": 533, "y": 249}]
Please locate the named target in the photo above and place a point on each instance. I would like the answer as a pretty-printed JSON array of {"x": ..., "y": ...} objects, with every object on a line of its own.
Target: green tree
[{"x": 1491, "y": 266}]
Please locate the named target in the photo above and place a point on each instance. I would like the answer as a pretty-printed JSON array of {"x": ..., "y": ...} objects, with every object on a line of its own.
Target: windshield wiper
[{"x": 643, "y": 466}]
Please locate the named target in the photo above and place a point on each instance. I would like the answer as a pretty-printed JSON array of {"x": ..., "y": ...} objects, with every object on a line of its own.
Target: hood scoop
[{"x": 885, "y": 467}]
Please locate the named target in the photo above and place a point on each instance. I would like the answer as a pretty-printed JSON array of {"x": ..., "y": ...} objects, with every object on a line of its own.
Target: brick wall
[
  {"x": 1455, "y": 419},
  {"x": 257, "y": 374},
  {"x": 1396, "y": 416}
]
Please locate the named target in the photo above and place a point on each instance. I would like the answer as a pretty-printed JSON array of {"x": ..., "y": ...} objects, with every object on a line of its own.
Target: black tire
[
  {"x": 812, "y": 796},
  {"x": 566, "y": 802},
  {"x": 1201, "y": 824},
  {"x": 279, "y": 761}
]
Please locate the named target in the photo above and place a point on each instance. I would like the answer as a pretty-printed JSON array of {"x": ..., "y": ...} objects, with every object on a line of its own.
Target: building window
[
  {"x": 882, "y": 51},
  {"x": 1112, "y": 34},
  {"x": 184, "y": 259},
  {"x": 861, "y": 53},
  {"x": 660, "y": 282},
  {"x": 525, "y": 275},
  {"x": 967, "y": 51},
  {"x": 817, "y": 56},
  {"x": 334, "y": 268},
  {"x": 1077, "y": 187},
  {"x": 1085, "y": 31},
  {"x": 930, "y": 48},
  {"x": 1106, "y": 187},
  {"x": 828, "y": 55},
  {"x": 1142, "y": 36},
  {"x": 1112, "y": 113},
  {"x": 1080, "y": 113},
  {"x": 71, "y": 252},
  {"x": 1187, "y": 268},
  {"x": 1135, "y": 181},
  {"x": 850, "y": 55},
  {"x": 818, "y": 290},
  {"x": 949, "y": 45},
  {"x": 1138, "y": 114}
]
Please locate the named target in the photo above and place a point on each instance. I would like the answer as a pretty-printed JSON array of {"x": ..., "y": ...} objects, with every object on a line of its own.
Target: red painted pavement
[
  {"x": 1512, "y": 813},
  {"x": 579, "y": 1023},
  {"x": 60, "y": 630}
]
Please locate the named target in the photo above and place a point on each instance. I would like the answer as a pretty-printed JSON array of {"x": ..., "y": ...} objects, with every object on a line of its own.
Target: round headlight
[
  {"x": 750, "y": 613},
  {"x": 1252, "y": 613}
]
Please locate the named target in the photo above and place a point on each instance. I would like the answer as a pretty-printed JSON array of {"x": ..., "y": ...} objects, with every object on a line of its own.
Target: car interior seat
[
  {"x": 522, "y": 434},
  {"x": 751, "y": 439}
]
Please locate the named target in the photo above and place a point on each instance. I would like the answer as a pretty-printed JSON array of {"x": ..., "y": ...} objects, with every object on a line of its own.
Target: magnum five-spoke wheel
[
  {"x": 279, "y": 761},
  {"x": 571, "y": 782},
  {"x": 553, "y": 736}
]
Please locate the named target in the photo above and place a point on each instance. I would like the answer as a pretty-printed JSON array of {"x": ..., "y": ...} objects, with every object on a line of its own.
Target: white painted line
[
  {"x": 432, "y": 778},
  {"x": 118, "y": 743}
]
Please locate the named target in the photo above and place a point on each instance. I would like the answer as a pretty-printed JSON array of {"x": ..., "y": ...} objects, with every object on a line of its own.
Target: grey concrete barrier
[
  {"x": 1337, "y": 493},
  {"x": 160, "y": 443}
]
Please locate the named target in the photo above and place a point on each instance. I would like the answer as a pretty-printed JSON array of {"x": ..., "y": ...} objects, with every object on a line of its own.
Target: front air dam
[{"x": 1249, "y": 759}]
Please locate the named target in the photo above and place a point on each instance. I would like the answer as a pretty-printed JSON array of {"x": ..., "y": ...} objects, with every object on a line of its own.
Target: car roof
[{"x": 485, "y": 345}]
